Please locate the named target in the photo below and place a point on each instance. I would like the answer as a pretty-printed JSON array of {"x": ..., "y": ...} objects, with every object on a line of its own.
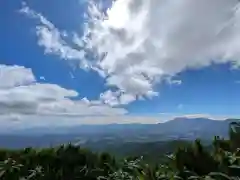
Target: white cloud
[
  {"x": 21, "y": 95},
  {"x": 126, "y": 98},
  {"x": 71, "y": 75},
  {"x": 177, "y": 82},
  {"x": 116, "y": 98},
  {"x": 110, "y": 97},
  {"x": 11, "y": 76},
  {"x": 154, "y": 39},
  {"x": 172, "y": 81},
  {"x": 139, "y": 43},
  {"x": 51, "y": 38},
  {"x": 42, "y": 78}
]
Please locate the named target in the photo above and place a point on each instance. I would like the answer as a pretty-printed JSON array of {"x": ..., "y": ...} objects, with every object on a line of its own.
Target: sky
[{"x": 123, "y": 61}]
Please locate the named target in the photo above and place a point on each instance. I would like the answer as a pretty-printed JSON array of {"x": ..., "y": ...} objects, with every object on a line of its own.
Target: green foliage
[{"x": 191, "y": 162}]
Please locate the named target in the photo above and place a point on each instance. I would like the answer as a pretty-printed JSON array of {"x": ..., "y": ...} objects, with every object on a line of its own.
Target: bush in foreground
[{"x": 74, "y": 163}]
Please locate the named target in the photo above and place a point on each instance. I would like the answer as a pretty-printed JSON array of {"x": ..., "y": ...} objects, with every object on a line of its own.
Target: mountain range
[{"x": 178, "y": 128}]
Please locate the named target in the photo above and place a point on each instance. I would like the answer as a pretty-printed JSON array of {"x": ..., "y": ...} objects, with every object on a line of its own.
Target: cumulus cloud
[
  {"x": 139, "y": 43},
  {"x": 20, "y": 94},
  {"x": 11, "y": 76},
  {"x": 116, "y": 98}
]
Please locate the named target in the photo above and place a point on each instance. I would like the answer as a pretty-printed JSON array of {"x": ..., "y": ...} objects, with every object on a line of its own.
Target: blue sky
[{"x": 204, "y": 89}]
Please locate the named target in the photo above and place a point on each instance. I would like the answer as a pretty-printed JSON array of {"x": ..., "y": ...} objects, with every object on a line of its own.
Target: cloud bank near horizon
[{"x": 21, "y": 96}]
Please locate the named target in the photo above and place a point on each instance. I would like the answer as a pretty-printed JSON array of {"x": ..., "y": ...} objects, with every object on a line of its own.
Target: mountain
[
  {"x": 196, "y": 127},
  {"x": 112, "y": 134}
]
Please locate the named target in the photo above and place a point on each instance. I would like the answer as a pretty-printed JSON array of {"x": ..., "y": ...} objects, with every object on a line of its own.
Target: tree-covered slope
[{"x": 68, "y": 162}]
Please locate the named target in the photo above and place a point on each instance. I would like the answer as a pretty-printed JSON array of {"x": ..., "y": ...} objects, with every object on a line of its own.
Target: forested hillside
[{"x": 189, "y": 161}]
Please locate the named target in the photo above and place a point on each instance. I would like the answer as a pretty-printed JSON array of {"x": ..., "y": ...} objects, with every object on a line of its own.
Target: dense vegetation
[
  {"x": 152, "y": 152},
  {"x": 189, "y": 161}
]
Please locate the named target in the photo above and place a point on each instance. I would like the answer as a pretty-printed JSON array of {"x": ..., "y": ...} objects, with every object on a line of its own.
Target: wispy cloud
[
  {"x": 172, "y": 81},
  {"x": 42, "y": 78},
  {"x": 139, "y": 43},
  {"x": 52, "y": 39}
]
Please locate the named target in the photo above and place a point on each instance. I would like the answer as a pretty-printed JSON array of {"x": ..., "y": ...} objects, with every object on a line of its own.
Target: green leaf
[
  {"x": 193, "y": 177},
  {"x": 234, "y": 167},
  {"x": 219, "y": 174}
]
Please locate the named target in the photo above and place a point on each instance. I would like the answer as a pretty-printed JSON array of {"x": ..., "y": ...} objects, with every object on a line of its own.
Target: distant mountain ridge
[
  {"x": 177, "y": 124},
  {"x": 178, "y": 128}
]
